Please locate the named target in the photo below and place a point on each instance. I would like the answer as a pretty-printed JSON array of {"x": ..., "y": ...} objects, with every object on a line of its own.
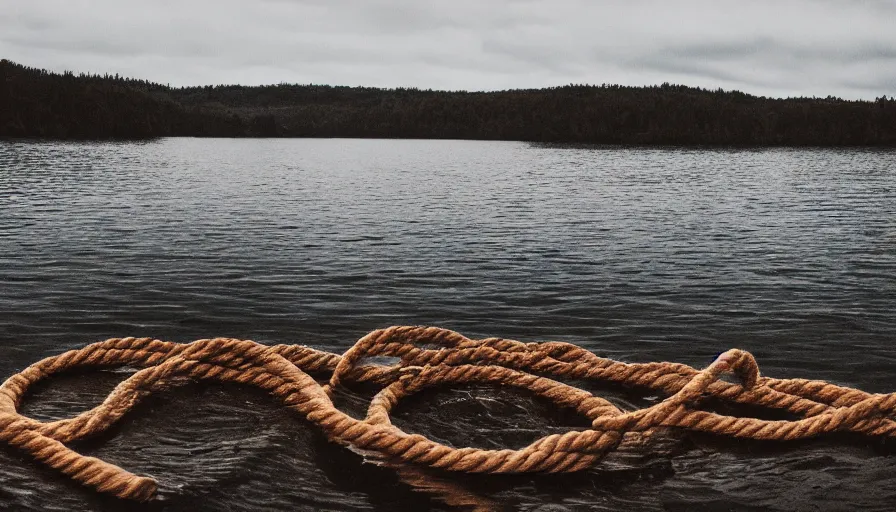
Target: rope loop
[{"x": 430, "y": 357}]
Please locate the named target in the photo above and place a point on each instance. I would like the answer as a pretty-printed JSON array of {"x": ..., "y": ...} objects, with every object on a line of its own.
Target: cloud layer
[{"x": 774, "y": 48}]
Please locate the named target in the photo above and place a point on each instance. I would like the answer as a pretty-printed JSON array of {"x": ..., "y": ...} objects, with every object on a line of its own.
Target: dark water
[{"x": 638, "y": 254}]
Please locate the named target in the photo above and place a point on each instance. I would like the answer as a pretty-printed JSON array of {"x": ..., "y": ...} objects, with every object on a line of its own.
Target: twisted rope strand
[{"x": 431, "y": 356}]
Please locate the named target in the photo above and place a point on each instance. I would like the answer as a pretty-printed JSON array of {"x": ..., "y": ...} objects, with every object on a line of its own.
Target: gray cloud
[{"x": 773, "y": 48}]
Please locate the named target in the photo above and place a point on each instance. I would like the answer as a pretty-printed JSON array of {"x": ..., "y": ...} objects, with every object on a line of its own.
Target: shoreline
[{"x": 44, "y": 105}]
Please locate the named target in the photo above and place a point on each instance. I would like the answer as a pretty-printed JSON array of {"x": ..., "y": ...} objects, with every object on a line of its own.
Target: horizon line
[{"x": 467, "y": 91}]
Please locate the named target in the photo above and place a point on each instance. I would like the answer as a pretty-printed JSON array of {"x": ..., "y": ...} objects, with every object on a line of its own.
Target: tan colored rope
[{"x": 431, "y": 356}]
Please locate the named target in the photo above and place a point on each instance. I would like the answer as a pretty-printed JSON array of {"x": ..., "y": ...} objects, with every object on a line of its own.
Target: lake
[{"x": 638, "y": 254}]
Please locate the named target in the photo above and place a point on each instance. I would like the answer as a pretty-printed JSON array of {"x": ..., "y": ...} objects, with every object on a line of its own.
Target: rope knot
[{"x": 742, "y": 364}]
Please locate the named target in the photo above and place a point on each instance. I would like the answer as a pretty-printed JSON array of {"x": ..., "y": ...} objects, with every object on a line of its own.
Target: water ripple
[{"x": 641, "y": 254}]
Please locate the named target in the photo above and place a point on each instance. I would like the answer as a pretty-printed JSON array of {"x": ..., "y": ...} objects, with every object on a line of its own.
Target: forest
[{"x": 35, "y": 103}]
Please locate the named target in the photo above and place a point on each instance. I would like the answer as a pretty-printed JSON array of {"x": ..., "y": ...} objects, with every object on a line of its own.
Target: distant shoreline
[
  {"x": 38, "y": 104},
  {"x": 550, "y": 145}
]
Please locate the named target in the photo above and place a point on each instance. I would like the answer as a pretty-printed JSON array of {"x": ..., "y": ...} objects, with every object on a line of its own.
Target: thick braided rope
[{"x": 430, "y": 356}]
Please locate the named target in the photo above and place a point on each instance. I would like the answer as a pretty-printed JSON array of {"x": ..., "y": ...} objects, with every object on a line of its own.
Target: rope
[{"x": 431, "y": 356}]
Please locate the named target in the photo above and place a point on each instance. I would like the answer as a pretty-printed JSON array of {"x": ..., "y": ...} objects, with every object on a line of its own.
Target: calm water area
[{"x": 639, "y": 254}]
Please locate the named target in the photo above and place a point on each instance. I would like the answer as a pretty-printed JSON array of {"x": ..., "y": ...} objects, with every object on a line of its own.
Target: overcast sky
[{"x": 777, "y": 48}]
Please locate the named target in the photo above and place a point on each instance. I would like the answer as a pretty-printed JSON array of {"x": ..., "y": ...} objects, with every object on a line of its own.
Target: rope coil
[{"x": 431, "y": 356}]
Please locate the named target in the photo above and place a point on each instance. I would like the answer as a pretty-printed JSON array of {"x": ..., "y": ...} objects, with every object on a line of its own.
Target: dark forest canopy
[{"x": 38, "y": 103}]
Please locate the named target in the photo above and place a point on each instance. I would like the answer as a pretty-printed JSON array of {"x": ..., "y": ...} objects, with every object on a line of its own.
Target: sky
[{"x": 781, "y": 48}]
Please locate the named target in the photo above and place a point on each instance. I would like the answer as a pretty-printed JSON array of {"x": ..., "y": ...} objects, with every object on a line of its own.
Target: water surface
[{"x": 637, "y": 254}]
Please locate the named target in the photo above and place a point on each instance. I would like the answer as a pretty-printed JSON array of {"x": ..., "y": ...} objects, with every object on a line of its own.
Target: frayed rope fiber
[{"x": 430, "y": 356}]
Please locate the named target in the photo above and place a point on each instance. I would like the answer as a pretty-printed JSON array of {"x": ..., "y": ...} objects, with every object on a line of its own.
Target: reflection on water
[{"x": 638, "y": 254}]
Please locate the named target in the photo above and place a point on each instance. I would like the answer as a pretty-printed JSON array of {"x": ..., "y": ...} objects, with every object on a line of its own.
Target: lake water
[{"x": 636, "y": 254}]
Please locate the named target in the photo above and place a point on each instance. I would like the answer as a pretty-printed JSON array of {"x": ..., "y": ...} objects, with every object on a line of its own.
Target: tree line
[{"x": 38, "y": 103}]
